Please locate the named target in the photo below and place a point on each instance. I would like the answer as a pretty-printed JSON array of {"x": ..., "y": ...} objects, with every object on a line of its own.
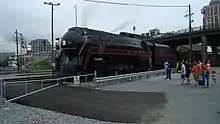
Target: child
[{"x": 213, "y": 78}]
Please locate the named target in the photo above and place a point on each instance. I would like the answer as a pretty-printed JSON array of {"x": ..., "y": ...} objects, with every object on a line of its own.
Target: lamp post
[
  {"x": 52, "y": 52},
  {"x": 75, "y": 8}
]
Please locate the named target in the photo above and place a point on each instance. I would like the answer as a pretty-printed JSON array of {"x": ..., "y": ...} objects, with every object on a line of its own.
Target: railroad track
[
  {"x": 44, "y": 79},
  {"x": 47, "y": 79},
  {"x": 28, "y": 78}
]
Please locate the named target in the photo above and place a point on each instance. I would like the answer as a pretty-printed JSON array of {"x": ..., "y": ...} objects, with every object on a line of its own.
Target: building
[
  {"x": 154, "y": 32},
  {"x": 12, "y": 62},
  {"x": 39, "y": 45},
  {"x": 211, "y": 14}
]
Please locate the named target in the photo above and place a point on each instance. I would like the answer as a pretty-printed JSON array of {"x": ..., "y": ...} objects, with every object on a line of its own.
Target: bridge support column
[
  {"x": 204, "y": 48},
  {"x": 214, "y": 56}
]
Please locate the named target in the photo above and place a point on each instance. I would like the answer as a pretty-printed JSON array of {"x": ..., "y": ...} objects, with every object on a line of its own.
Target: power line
[{"x": 134, "y": 4}]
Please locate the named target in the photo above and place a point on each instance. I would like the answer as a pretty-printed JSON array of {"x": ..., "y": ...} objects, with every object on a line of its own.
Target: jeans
[
  {"x": 207, "y": 79},
  {"x": 203, "y": 76},
  {"x": 196, "y": 78},
  {"x": 168, "y": 73}
]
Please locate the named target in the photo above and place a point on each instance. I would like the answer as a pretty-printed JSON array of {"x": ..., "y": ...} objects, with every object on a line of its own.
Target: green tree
[
  {"x": 5, "y": 62},
  {"x": 42, "y": 65}
]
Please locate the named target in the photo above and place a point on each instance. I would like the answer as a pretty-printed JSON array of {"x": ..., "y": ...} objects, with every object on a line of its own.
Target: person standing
[
  {"x": 207, "y": 72},
  {"x": 203, "y": 71},
  {"x": 196, "y": 72},
  {"x": 188, "y": 71},
  {"x": 183, "y": 72},
  {"x": 168, "y": 77},
  {"x": 165, "y": 67}
]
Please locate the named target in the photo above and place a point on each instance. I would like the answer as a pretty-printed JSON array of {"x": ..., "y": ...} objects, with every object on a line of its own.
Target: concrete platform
[{"x": 186, "y": 104}]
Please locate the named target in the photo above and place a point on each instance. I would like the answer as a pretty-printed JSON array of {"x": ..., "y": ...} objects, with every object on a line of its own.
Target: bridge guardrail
[{"x": 103, "y": 81}]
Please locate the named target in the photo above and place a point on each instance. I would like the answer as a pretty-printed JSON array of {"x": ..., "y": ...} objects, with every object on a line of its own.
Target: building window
[
  {"x": 207, "y": 11},
  {"x": 212, "y": 21},
  {"x": 211, "y": 8},
  {"x": 215, "y": 10},
  {"x": 216, "y": 22}
]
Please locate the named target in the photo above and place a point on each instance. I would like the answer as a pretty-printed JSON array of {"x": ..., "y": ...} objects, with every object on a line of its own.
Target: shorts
[
  {"x": 183, "y": 76},
  {"x": 214, "y": 79},
  {"x": 187, "y": 75}
]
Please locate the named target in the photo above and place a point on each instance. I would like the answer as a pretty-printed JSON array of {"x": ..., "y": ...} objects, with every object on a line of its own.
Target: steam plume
[
  {"x": 123, "y": 25},
  {"x": 86, "y": 15}
]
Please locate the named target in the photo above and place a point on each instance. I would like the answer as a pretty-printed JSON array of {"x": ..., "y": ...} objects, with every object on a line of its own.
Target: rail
[
  {"x": 26, "y": 77},
  {"x": 184, "y": 31},
  {"x": 103, "y": 81}
]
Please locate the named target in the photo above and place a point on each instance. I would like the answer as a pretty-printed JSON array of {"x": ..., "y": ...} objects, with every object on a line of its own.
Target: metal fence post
[
  {"x": 42, "y": 83},
  {"x": 86, "y": 79},
  {"x": 4, "y": 95},
  {"x": 25, "y": 87},
  {"x": 58, "y": 81},
  {"x": 94, "y": 80},
  {"x": 63, "y": 80},
  {"x": 1, "y": 85}
]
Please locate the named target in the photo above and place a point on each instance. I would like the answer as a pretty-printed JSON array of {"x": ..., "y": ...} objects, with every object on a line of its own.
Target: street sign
[
  {"x": 76, "y": 79},
  {"x": 53, "y": 64}
]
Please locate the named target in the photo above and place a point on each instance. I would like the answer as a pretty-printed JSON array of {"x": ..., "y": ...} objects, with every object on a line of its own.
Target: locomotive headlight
[{"x": 63, "y": 42}]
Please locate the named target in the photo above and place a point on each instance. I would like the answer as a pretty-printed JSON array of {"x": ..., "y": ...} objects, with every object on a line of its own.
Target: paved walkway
[{"x": 186, "y": 104}]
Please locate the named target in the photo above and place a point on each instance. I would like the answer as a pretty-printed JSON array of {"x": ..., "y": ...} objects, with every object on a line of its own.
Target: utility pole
[
  {"x": 75, "y": 7},
  {"x": 18, "y": 64},
  {"x": 52, "y": 51},
  {"x": 32, "y": 55},
  {"x": 21, "y": 44},
  {"x": 190, "y": 32},
  {"x": 25, "y": 49}
]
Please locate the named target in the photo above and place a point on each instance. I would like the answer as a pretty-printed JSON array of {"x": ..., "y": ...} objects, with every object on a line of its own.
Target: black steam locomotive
[{"x": 85, "y": 50}]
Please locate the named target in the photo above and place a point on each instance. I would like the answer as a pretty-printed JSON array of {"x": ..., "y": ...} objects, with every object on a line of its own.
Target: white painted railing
[{"x": 54, "y": 82}]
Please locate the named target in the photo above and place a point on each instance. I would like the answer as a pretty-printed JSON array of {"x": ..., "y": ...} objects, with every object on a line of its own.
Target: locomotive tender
[{"x": 86, "y": 50}]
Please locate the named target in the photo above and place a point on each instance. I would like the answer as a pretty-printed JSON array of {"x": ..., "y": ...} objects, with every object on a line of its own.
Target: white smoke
[
  {"x": 123, "y": 25},
  {"x": 86, "y": 15}
]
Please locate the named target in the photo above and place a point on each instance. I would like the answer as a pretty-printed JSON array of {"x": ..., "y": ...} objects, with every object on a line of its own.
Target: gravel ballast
[{"x": 20, "y": 114}]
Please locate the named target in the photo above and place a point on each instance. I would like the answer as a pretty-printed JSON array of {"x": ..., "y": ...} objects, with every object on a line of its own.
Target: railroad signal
[{"x": 134, "y": 28}]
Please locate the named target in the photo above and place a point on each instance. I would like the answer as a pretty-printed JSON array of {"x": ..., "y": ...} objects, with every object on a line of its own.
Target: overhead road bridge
[{"x": 203, "y": 35}]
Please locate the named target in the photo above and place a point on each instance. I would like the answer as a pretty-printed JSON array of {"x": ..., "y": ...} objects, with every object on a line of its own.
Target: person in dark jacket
[
  {"x": 188, "y": 71},
  {"x": 168, "y": 71}
]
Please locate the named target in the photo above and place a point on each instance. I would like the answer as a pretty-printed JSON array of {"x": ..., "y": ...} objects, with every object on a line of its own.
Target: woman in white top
[{"x": 183, "y": 72}]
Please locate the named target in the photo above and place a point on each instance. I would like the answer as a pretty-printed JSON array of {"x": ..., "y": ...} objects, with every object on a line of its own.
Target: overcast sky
[{"x": 33, "y": 18}]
